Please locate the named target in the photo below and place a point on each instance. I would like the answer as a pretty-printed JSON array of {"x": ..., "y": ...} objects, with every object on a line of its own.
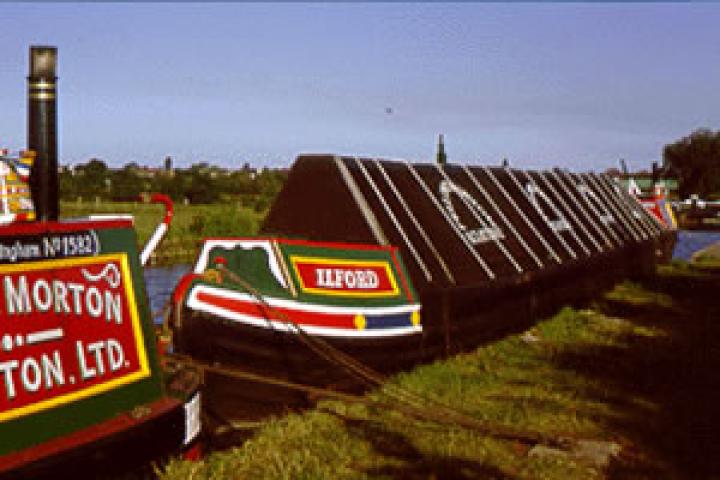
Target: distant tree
[
  {"x": 696, "y": 158},
  {"x": 202, "y": 186},
  {"x": 68, "y": 185},
  {"x": 95, "y": 168},
  {"x": 92, "y": 179},
  {"x": 126, "y": 183}
]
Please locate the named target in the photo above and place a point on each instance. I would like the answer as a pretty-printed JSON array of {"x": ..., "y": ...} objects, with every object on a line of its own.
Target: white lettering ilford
[
  {"x": 486, "y": 231},
  {"x": 40, "y": 295},
  {"x": 31, "y": 373},
  {"x": 558, "y": 222},
  {"x": 98, "y": 358},
  {"x": 350, "y": 279}
]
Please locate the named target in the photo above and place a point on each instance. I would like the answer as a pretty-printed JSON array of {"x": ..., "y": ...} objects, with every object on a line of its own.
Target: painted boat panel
[{"x": 77, "y": 347}]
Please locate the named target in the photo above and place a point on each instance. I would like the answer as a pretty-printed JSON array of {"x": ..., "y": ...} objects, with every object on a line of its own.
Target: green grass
[
  {"x": 190, "y": 224},
  {"x": 708, "y": 258},
  {"x": 633, "y": 369}
]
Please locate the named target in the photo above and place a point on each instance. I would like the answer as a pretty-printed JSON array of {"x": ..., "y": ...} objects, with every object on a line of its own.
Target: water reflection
[
  {"x": 160, "y": 282},
  {"x": 691, "y": 241}
]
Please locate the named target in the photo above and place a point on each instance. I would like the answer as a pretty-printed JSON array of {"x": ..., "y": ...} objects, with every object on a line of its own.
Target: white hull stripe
[
  {"x": 231, "y": 315},
  {"x": 300, "y": 306}
]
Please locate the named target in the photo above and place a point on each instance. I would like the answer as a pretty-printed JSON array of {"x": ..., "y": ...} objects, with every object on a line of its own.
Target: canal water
[
  {"x": 691, "y": 241},
  {"x": 160, "y": 283}
]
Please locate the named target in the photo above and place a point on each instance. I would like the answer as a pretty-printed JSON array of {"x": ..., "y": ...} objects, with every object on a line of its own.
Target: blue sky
[{"x": 571, "y": 85}]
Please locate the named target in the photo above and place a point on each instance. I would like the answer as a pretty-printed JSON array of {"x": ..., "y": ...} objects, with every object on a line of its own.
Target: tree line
[
  {"x": 695, "y": 161},
  {"x": 199, "y": 184}
]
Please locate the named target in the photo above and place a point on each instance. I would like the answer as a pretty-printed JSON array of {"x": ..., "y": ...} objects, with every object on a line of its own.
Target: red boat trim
[
  {"x": 261, "y": 312},
  {"x": 308, "y": 243},
  {"x": 182, "y": 287},
  {"x": 62, "y": 227},
  {"x": 406, "y": 287},
  {"x": 321, "y": 320}
]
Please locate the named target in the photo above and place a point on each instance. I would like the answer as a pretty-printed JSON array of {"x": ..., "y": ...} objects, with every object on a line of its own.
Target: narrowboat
[
  {"x": 656, "y": 203},
  {"x": 697, "y": 214},
  {"x": 83, "y": 392},
  {"x": 489, "y": 251},
  {"x": 261, "y": 302}
]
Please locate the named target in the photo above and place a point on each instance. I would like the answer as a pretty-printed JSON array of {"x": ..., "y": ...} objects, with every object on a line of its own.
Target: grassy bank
[
  {"x": 190, "y": 224},
  {"x": 638, "y": 370},
  {"x": 708, "y": 258}
]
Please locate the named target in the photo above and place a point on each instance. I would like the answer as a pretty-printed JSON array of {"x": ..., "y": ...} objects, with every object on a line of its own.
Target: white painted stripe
[
  {"x": 301, "y": 306},
  {"x": 111, "y": 216},
  {"x": 534, "y": 201},
  {"x": 45, "y": 335},
  {"x": 632, "y": 220},
  {"x": 309, "y": 329},
  {"x": 626, "y": 219},
  {"x": 416, "y": 256},
  {"x": 608, "y": 203},
  {"x": 629, "y": 204},
  {"x": 500, "y": 213},
  {"x": 598, "y": 203},
  {"x": 152, "y": 244},
  {"x": 512, "y": 202},
  {"x": 416, "y": 224},
  {"x": 454, "y": 227},
  {"x": 570, "y": 212},
  {"x": 361, "y": 202},
  {"x": 596, "y": 207},
  {"x": 578, "y": 200},
  {"x": 484, "y": 223}
]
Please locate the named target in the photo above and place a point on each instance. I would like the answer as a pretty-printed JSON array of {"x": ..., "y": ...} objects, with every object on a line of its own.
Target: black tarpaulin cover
[{"x": 487, "y": 248}]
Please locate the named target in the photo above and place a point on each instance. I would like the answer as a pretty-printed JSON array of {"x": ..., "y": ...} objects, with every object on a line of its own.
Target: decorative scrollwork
[
  {"x": 110, "y": 273},
  {"x": 488, "y": 229}
]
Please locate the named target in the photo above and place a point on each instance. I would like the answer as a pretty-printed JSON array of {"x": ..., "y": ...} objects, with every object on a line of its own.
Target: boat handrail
[{"x": 162, "y": 227}]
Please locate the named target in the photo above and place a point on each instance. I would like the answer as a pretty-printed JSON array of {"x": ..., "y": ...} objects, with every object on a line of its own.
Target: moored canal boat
[
  {"x": 83, "y": 392},
  {"x": 255, "y": 303}
]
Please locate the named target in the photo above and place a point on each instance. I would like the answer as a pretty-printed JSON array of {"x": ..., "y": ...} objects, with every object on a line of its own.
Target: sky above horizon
[{"x": 572, "y": 85}]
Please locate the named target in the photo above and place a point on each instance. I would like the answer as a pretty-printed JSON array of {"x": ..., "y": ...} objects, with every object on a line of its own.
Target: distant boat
[{"x": 698, "y": 214}]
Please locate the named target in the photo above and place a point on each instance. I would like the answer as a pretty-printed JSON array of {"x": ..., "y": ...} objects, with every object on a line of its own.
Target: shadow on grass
[
  {"x": 411, "y": 463},
  {"x": 667, "y": 387}
]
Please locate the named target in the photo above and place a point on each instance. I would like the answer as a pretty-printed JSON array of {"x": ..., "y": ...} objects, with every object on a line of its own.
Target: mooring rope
[
  {"x": 455, "y": 418},
  {"x": 402, "y": 400}
]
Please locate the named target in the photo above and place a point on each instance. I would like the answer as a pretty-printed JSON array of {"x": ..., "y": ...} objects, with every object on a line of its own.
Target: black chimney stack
[
  {"x": 441, "y": 157},
  {"x": 42, "y": 131}
]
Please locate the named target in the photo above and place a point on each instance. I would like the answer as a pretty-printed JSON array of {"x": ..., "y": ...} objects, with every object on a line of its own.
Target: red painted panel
[
  {"x": 253, "y": 309},
  {"x": 63, "y": 226},
  {"x": 70, "y": 329},
  {"x": 328, "y": 276}
]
